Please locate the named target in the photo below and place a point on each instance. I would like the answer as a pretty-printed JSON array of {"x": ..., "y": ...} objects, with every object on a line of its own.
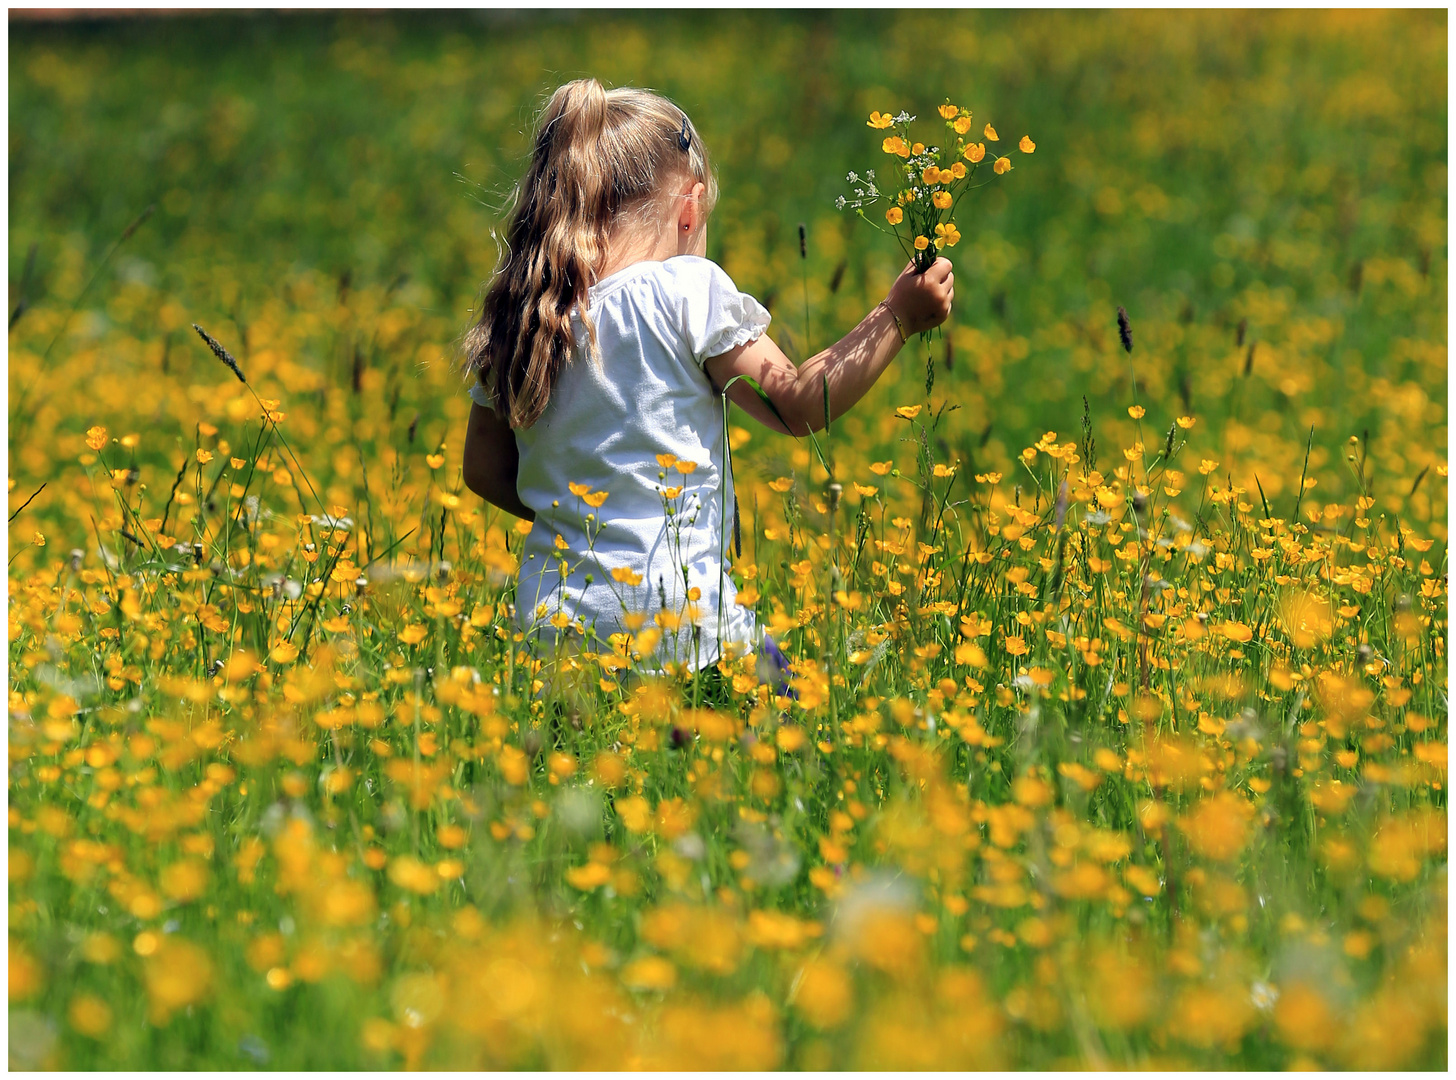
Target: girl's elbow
[
  {"x": 807, "y": 421},
  {"x": 799, "y": 420}
]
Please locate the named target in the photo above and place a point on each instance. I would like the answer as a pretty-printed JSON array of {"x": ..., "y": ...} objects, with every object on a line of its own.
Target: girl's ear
[{"x": 690, "y": 216}]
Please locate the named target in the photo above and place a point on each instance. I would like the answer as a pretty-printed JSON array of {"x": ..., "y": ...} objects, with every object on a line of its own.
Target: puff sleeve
[
  {"x": 713, "y": 315},
  {"x": 481, "y": 396}
]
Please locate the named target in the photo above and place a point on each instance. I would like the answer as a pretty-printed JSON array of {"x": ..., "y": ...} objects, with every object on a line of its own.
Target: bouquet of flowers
[{"x": 929, "y": 181}]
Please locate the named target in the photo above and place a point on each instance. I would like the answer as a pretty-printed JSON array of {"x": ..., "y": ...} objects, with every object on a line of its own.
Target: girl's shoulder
[
  {"x": 712, "y": 313},
  {"x": 687, "y": 297},
  {"x": 681, "y": 275},
  {"x": 693, "y": 271}
]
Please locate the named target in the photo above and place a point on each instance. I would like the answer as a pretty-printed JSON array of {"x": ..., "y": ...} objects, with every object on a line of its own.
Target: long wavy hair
[{"x": 600, "y": 157}]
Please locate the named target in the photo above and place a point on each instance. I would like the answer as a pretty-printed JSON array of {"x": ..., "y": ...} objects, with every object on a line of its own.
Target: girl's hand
[{"x": 923, "y": 300}]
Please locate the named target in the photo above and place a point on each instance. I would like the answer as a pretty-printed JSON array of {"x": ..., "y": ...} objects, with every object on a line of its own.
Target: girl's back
[{"x": 642, "y": 423}]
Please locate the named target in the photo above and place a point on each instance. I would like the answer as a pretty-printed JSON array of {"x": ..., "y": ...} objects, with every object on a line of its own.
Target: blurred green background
[{"x": 1286, "y": 169}]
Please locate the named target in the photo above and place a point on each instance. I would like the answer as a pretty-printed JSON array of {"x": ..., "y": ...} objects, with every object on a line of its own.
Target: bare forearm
[
  {"x": 847, "y": 369},
  {"x": 850, "y": 367}
]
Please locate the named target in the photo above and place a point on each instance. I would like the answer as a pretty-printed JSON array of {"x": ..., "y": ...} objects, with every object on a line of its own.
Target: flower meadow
[{"x": 1118, "y": 734}]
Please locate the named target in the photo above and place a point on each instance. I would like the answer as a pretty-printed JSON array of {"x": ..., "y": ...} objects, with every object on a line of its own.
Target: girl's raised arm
[{"x": 851, "y": 365}]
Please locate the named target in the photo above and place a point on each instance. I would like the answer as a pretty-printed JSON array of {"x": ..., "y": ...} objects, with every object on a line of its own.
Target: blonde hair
[{"x": 599, "y": 155}]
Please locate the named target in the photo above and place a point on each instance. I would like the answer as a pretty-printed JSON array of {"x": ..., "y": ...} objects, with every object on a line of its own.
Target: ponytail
[{"x": 597, "y": 154}]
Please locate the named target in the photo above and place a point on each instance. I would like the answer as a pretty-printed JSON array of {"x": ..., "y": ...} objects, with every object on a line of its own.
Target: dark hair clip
[{"x": 683, "y": 141}]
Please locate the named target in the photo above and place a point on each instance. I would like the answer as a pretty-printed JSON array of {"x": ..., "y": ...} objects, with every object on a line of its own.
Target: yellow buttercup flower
[
  {"x": 626, "y": 576},
  {"x": 918, "y": 148},
  {"x": 948, "y": 111},
  {"x": 947, "y": 235},
  {"x": 895, "y": 145},
  {"x": 957, "y": 171},
  {"x": 941, "y": 200},
  {"x": 975, "y": 152},
  {"x": 990, "y": 134},
  {"x": 880, "y": 120},
  {"x": 578, "y": 489},
  {"x": 595, "y": 499},
  {"x": 921, "y": 243},
  {"x": 1027, "y": 146},
  {"x": 1003, "y": 165},
  {"x": 909, "y": 412},
  {"x": 894, "y": 215},
  {"x": 962, "y": 124},
  {"x": 931, "y": 174}
]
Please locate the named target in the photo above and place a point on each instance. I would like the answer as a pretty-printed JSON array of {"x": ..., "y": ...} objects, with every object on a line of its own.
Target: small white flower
[{"x": 1263, "y": 996}]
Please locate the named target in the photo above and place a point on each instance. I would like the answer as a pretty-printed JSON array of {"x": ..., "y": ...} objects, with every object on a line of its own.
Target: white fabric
[{"x": 656, "y": 323}]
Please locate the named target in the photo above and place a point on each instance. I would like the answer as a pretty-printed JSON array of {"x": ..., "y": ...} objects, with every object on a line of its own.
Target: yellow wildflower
[{"x": 626, "y": 576}]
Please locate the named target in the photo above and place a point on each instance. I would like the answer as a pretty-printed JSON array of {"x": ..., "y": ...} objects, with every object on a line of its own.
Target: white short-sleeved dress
[{"x": 604, "y": 427}]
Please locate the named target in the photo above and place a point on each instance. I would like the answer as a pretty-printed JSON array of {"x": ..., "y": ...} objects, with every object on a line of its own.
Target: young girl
[{"x": 604, "y": 341}]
